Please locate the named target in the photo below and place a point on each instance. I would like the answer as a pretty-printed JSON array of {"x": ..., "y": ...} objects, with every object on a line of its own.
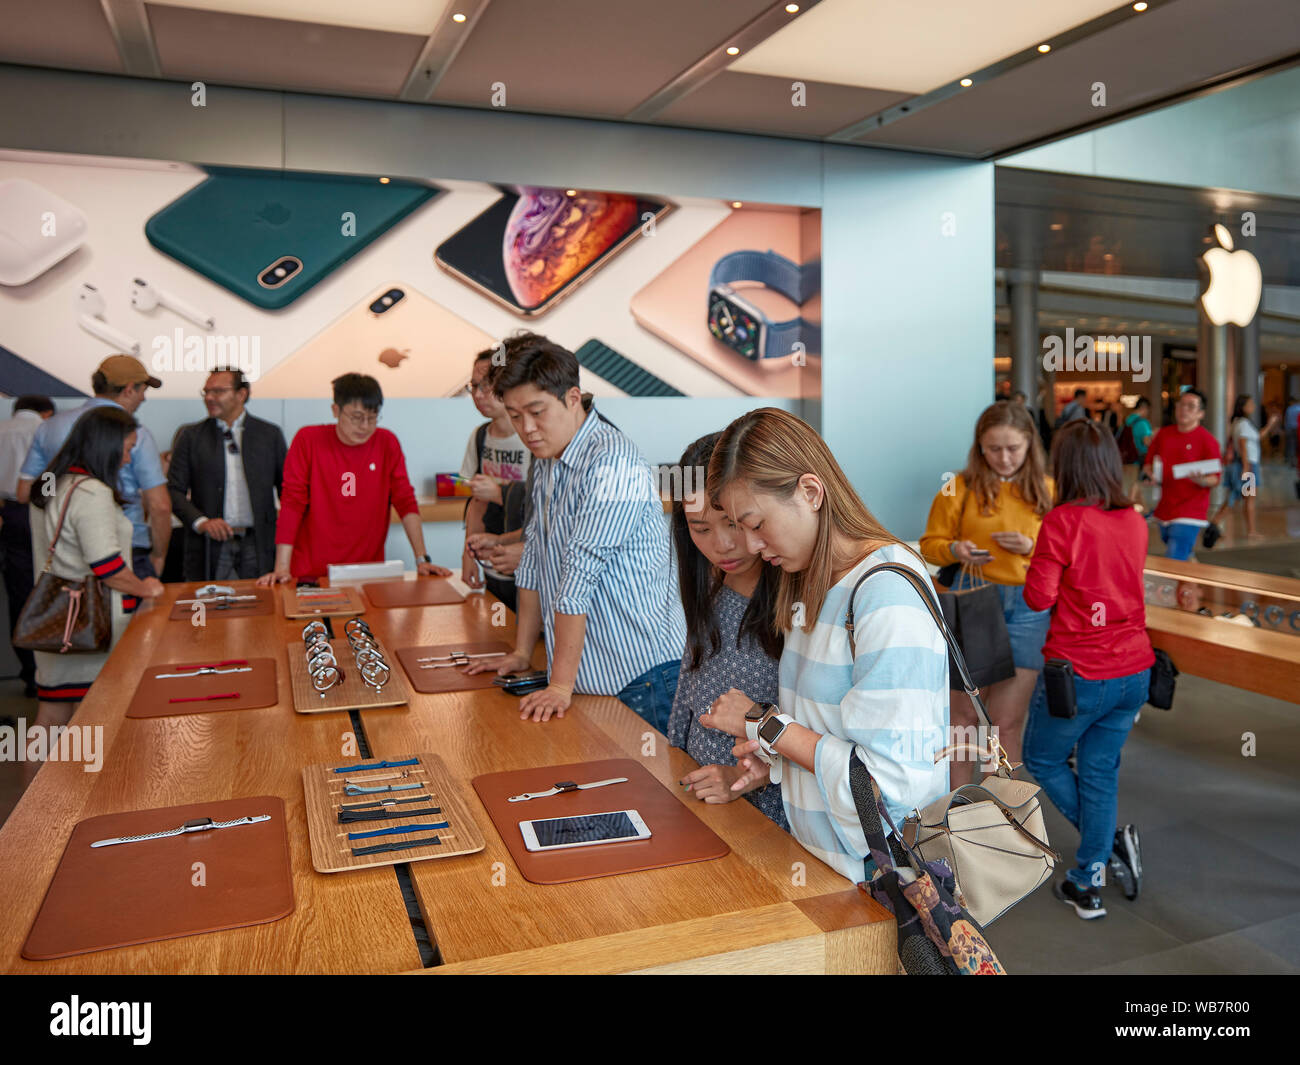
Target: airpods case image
[{"x": 37, "y": 230}]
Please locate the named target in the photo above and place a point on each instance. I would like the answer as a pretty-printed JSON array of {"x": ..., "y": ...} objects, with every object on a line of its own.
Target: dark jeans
[
  {"x": 651, "y": 694},
  {"x": 1089, "y": 795},
  {"x": 16, "y": 548},
  {"x": 236, "y": 559},
  {"x": 140, "y": 563}
]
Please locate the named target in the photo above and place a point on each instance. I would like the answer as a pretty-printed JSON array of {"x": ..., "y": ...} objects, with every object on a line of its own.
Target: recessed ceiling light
[
  {"x": 458, "y": 17},
  {"x": 791, "y": 8},
  {"x": 1139, "y": 7},
  {"x": 1044, "y": 48},
  {"x": 1057, "y": 225},
  {"x": 733, "y": 50},
  {"x": 383, "y": 181},
  {"x": 570, "y": 192},
  {"x": 966, "y": 83},
  {"x": 737, "y": 203}
]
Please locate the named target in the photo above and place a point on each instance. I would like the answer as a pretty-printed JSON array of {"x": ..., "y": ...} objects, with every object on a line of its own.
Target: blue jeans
[
  {"x": 1180, "y": 539},
  {"x": 651, "y": 694},
  {"x": 1086, "y": 796}
]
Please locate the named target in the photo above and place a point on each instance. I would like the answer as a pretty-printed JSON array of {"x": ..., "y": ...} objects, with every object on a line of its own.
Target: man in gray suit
[{"x": 224, "y": 476}]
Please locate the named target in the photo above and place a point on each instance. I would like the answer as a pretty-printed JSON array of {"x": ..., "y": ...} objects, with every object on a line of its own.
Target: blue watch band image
[{"x": 746, "y": 328}]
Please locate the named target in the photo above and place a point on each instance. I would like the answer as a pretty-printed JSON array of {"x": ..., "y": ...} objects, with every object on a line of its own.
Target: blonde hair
[
  {"x": 769, "y": 450},
  {"x": 1030, "y": 480}
]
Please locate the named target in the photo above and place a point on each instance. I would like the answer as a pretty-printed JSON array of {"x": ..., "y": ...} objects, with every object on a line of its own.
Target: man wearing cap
[{"x": 123, "y": 380}]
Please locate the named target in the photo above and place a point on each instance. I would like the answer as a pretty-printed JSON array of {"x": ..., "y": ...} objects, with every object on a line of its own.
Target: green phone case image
[{"x": 237, "y": 224}]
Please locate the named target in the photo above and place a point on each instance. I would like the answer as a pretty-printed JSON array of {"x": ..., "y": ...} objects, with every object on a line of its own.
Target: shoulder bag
[
  {"x": 63, "y": 616},
  {"x": 991, "y": 834}
]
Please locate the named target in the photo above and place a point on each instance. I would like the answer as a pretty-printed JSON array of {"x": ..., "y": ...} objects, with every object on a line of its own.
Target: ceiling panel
[
  {"x": 58, "y": 33},
  {"x": 237, "y": 49},
  {"x": 586, "y": 57},
  {"x": 1171, "y": 48},
  {"x": 756, "y": 104},
  {"x": 393, "y": 16},
  {"x": 908, "y": 46}
]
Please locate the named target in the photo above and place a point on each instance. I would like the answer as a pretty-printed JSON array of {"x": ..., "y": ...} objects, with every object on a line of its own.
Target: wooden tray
[
  {"x": 140, "y": 892},
  {"x": 353, "y": 693},
  {"x": 256, "y": 689},
  {"x": 331, "y": 850},
  {"x": 448, "y": 679},
  {"x": 344, "y": 602},
  {"x": 265, "y": 605},
  {"x": 423, "y": 591},
  {"x": 677, "y": 835}
]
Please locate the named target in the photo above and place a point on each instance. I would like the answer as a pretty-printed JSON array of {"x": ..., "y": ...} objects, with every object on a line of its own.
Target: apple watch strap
[
  {"x": 796, "y": 283},
  {"x": 621, "y": 372},
  {"x": 565, "y": 785}
]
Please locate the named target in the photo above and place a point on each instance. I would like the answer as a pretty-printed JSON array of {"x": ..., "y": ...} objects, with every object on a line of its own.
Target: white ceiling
[
  {"x": 909, "y": 45},
  {"x": 395, "y": 16}
]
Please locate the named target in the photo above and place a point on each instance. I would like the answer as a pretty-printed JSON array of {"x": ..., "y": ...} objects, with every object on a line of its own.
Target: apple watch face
[
  {"x": 735, "y": 324},
  {"x": 771, "y": 730}
]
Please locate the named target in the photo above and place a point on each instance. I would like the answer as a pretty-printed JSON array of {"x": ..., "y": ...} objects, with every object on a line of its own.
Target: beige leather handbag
[{"x": 991, "y": 833}]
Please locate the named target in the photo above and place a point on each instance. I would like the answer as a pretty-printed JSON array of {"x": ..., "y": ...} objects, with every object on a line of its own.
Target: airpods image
[
  {"x": 144, "y": 297},
  {"x": 90, "y": 308}
]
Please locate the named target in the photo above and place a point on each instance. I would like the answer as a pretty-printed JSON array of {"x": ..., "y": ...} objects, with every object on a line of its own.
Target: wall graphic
[{"x": 299, "y": 277}]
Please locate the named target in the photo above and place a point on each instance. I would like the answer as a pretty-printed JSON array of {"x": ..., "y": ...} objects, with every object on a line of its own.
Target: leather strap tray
[
  {"x": 130, "y": 893},
  {"x": 433, "y": 677},
  {"x": 379, "y": 813},
  {"x": 253, "y": 689},
  {"x": 341, "y": 602},
  {"x": 187, "y": 611},
  {"x": 677, "y": 837},
  {"x": 424, "y": 591}
]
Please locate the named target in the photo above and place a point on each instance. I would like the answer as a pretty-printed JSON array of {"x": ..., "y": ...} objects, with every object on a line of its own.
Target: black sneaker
[
  {"x": 1211, "y": 536},
  {"x": 1086, "y": 902},
  {"x": 1128, "y": 856}
]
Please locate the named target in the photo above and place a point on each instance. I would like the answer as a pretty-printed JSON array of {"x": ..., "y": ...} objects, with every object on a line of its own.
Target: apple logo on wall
[
  {"x": 392, "y": 358},
  {"x": 1236, "y": 282}
]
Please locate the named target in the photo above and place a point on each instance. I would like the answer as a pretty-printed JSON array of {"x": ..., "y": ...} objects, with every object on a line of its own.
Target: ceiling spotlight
[
  {"x": 966, "y": 83},
  {"x": 1139, "y": 7},
  {"x": 384, "y": 180},
  {"x": 570, "y": 192},
  {"x": 737, "y": 204},
  {"x": 458, "y": 17},
  {"x": 733, "y": 50},
  {"x": 791, "y": 9},
  {"x": 1057, "y": 225},
  {"x": 1044, "y": 48}
]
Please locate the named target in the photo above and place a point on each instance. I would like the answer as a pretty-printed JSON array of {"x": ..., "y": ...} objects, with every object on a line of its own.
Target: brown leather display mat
[
  {"x": 185, "y": 611},
  {"x": 424, "y": 591},
  {"x": 331, "y": 850},
  {"x": 677, "y": 836},
  {"x": 345, "y": 603},
  {"x": 141, "y": 892},
  {"x": 448, "y": 678},
  {"x": 353, "y": 693},
  {"x": 256, "y": 688}
]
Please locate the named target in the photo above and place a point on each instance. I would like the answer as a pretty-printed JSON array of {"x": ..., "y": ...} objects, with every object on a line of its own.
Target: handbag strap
[
  {"x": 58, "y": 529},
  {"x": 926, "y": 591}
]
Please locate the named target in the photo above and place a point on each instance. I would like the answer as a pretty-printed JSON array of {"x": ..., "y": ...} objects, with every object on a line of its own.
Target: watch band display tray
[
  {"x": 352, "y": 693},
  {"x": 449, "y": 678},
  {"x": 153, "y": 889},
  {"x": 255, "y": 688},
  {"x": 331, "y": 850},
  {"x": 342, "y": 602},
  {"x": 677, "y": 836},
  {"x": 264, "y": 605},
  {"x": 423, "y": 591}
]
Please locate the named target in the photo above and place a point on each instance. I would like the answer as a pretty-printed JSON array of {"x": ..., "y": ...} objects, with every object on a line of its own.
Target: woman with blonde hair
[
  {"x": 885, "y": 696},
  {"x": 985, "y": 531}
]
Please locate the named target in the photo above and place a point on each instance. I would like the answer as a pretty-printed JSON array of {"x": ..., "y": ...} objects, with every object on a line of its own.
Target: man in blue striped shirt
[{"x": 596, "y": 573}]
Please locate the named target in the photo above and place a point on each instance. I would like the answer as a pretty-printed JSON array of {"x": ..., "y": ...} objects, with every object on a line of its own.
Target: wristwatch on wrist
[
  {"x": 426, "y": 558},
  {"x": 771, "y": 729},
  {"x": 754, "y": 718}
]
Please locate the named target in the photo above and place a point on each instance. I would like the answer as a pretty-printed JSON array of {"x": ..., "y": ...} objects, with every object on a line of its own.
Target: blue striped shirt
[
  {"x": 597, "y": 544},
  {"x": 889, "y": 703}
]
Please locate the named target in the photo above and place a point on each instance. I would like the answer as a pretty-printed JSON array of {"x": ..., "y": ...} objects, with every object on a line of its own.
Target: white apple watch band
[{"x": 565, "y": 785}]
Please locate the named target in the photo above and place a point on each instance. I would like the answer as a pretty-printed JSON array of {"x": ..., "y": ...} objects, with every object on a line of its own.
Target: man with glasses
[
  {"x": 339, "y": 482},
  {"x": 1184, "y": 505},
  {"x": 224, "y": 476}
]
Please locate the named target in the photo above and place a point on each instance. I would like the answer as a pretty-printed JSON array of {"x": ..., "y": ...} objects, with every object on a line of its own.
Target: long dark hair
[
  {"x": 1086, "y": 467},
  {"x": 700, "y": 583},
  {"x": 95, "y": 444},
  {"x": 1239, "y": 407},
  {"x": 1030, "y": 480}
]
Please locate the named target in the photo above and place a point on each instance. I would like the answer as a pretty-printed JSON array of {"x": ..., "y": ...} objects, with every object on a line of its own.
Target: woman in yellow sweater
[{"x": 991, "y": 522}]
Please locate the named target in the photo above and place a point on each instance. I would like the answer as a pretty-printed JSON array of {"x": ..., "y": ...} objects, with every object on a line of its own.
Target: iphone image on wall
[
  {"x": 535, "y": 245},
  {"x": 411, "y": 345},
  {"x": 268, "y": 237}
]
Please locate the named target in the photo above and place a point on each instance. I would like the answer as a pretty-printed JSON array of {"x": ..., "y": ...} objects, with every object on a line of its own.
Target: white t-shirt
[
  {"x": 1246, "y": 430},
  {"x": 505, "y": 459}
]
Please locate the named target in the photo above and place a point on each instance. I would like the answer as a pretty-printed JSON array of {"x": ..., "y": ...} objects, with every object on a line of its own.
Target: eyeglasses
[
  {"x": 480, "y": 385},
  {"x": 361, "y": 420},
  {"x": 204, "y": 393},
  {"x": 229, "y": 438}
]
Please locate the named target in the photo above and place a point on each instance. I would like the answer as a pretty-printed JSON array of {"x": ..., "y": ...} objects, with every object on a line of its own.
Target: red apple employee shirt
[{"x": 1182, "y": 500}]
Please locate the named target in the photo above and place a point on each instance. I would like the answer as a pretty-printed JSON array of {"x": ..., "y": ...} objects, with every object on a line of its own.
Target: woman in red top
[{"x": 1087, "y": 568}]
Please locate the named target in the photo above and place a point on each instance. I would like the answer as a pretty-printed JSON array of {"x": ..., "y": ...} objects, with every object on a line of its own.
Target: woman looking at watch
[
  {"x": 727, "y": 595},
  {"x": 888, "y": 704},
  {"x": 985, "y": 532}
]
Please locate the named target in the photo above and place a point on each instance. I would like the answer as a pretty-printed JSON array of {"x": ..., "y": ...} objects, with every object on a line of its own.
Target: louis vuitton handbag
[
  {"x": 991, "y": 835},
  {"x": 64, "y": 616}
]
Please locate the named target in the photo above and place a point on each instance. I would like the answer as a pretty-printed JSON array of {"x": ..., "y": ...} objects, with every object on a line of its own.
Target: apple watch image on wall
[{"x": 745, "y": 328}]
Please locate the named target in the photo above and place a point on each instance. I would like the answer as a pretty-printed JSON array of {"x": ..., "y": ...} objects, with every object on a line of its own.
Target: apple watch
[
  {"x": 771, "y": 729},
  {"x": 745, "y": 328},
  {"x": 754, "y": 718},
  {"x": 426, "y": 558}
]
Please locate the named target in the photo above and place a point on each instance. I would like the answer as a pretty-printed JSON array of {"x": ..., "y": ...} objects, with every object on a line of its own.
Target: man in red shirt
[
  {"x": 1184, "y": 505},
  {"x": 339, "y": 482}
]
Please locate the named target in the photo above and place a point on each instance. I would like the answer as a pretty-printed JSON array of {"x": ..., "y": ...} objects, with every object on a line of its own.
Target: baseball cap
[{"x": 122, "y": 370}]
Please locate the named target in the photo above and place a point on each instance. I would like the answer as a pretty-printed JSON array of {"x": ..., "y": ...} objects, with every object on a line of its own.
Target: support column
[
  {"x": 1248, "y": 361},
  {"x": 1026, "y": 351}
]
